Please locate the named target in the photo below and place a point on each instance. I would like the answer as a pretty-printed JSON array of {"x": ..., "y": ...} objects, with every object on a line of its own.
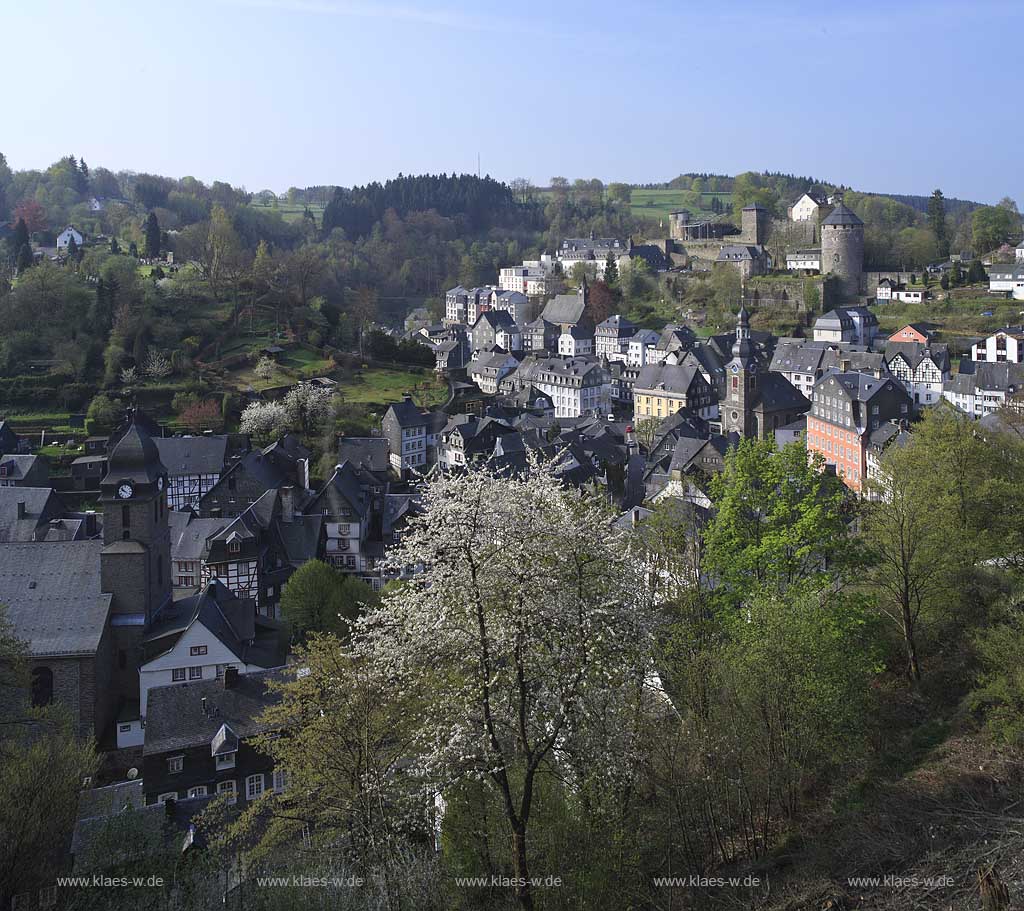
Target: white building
[
  {"x": 1004, "y": 346},
  {"x": 986, "y": 390},
  {"x": 576, "y": 385},
  {"x": 806, "y": 208},
  {"x": 804, "y": 261},
  {"x": 640, "y": 346},
  {"x": 611, "y": 337},
  {"x": 489, "y": 369},
  {"x": 514, "y": 303},
  {"x": 922, "y": 369},
  {"x": 66, "y": 236},
  {"x": 888, "y": 290},
  {"x": 575, "y": 341},
  {"x": 533, "y": 282},
  {"x": 1007, "y": 280}
]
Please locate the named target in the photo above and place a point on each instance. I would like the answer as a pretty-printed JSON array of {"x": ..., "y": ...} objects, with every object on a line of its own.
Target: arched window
[{"x": 42, "y": 686}]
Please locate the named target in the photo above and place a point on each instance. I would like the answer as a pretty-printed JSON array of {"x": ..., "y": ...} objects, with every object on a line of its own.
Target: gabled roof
[
  {"x": 251, "y": 637},
  {"x": 914, "y": 353},
  {"x": 38, "y": 502},
  {"x": 53, "y": 598},
  {"x": 189, "y": 534},
  {"x": 193, "y": 455},
  {"x": 370, "y": 453},
  {"x": 775, "y": 393},
  {"x": 564, "y": 308},
  {"x": 672, "y": 378},
  {"x": 406, "y": 414},
  {"x": 18, "y": 465},
  {"x": 496, "y": 319}
]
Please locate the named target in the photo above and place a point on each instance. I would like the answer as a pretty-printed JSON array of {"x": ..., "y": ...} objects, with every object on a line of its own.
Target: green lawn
[
  {"x": 290, "y": 212},
  {"x": 381, "y": 386},
  {"x": 657, "y": 204}
]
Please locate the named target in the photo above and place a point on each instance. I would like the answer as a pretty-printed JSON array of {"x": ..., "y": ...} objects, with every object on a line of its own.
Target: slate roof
[
  {"x": 253, "y": 638},
  {"x": 406, "y": 413},
  {"x": 841, "y": 215},
  {"x": 564, "y": 308},
  {"x": 998, "y": 377},
  {"x": 775, "y": 393},
  {"x": 366, "y": 452},
  {"x": 834, "y": 320},
  {"x": 189, "y": 534},
  {"x": 177, "y": 717},
  {"x": 672, "y": 378},
  {"x": 914, "y": 353},
  {"x": 37, "y": 500},
  {"x": 53, "y": 597},
  {"x": 19, "y": 465},
  {"x": 135, "y": 457},
  {"x": 793, "y": 356},
  {"x": 193, "y": 455},
  {"x": 738, "y": 252}
]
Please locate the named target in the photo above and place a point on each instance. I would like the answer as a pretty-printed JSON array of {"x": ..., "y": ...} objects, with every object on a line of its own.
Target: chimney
[
  {"x": 636, "y": 516},
  {"x": 406, "y": 397},
  {"x": 844, "y": 365},
  {"x": 22, "y": 512},
  {"x": 90, "y": 523},
  {"x": 169, "y": 806},
  {"x": 203, "y": 700},
  {"x": 230, "y": 678},
  {"x": 287, "y": 504}
]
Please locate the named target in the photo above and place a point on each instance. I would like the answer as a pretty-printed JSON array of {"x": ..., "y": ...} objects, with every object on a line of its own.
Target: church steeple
[{"x": 741, "y": 379}]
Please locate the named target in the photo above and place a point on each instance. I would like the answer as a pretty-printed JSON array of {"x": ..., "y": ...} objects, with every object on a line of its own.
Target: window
[
  {"x": 228, "y": 788},
  {"x": 177, "y": 674},
  {"x": 197, "y": 650},
  {"x": 170, "y": 795},
  {"x": 124, "y": 728},
  {"x": 253, "y": 786},
  {"x": 226, "y": 760},
  {"x": 234, "y": 547},
  {"x": 42, "y": 686},
  {"x": 280, "y": 780},
  {"x": 175, "y": 764},
  {"x": 197, "y": 791},
  {"x": 195, "y": 673}
]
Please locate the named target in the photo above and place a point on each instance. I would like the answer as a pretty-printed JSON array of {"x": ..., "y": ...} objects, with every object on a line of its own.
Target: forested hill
[
  {"x": 481, "y": 201},
  {"x": 954, "y": 206}
]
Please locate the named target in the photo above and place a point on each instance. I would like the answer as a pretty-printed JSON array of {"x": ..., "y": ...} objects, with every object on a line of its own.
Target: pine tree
[
  {"x": 152, "y": 236},
  {"x": 611, "y": 271},
  {"x": 72, "y": 249},
  {"x": 25, "y": 259},
  {"x": 937, "y": 223},
  {"x": 19, "y": 238},
  {"x": 115, "y": 247}
]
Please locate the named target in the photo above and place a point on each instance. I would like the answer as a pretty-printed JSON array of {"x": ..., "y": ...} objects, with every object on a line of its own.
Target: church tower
[
  {"x": 741, "y": 383},
  {"x": 135, "y": 562}
]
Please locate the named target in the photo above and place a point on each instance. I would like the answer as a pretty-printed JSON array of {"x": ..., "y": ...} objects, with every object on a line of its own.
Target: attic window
[{"x": 234, "y": 547}]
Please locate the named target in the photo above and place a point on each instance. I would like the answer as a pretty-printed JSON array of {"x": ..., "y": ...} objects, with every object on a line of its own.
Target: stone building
[
  {"x": 755, "y": 221},
  {"x": 842, "y": 249}
]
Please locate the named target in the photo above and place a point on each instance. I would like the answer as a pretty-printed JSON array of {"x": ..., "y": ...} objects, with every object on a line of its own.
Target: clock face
[
  {"x": 160, "y": 483},
  {"x": 125, "y": 491},
  {"x": 735, "y": 368}
]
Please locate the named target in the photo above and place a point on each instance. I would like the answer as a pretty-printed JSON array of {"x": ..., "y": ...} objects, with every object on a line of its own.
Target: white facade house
[
  {"x": 575, "y": 385},
  {"x": 513, "y": 302},
  {"x": 66, "y": 236},
  {"x": 489, "y": 369},
  {"x": 888, "y": 290},
  {"x": 197, "y": 655},
  {"x": 1004, "y": 346},
  {"x": 804, "y": 260},
  {"x": 640, "y": 347},
  {"x": 528, "y": 280},
  {"x": 806, "y": 208},
  {"x": 922, "y": 370},
  {"x": 985, "y": 390},
  {"x": 1007, "y": 280},
  {"x": 575, "y": 341}
]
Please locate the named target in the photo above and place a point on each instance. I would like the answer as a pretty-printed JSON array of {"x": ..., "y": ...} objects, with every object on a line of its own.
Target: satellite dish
[{"x": 133, "y": 774}]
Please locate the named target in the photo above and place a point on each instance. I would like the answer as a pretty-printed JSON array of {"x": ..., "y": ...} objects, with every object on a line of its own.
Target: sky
[{"x": 892, "y": 97}]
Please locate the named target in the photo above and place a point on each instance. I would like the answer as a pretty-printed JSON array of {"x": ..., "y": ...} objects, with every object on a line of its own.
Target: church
[
  {"x": 86, "y": 609},
  {"x": 757, "y": 402}
]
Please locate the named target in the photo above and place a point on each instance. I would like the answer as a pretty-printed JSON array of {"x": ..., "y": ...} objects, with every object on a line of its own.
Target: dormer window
[
  {"x": 234, "y": 547},
  {"x": 226, "y": 760}
]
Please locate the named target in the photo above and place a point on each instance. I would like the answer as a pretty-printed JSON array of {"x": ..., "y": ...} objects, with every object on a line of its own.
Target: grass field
[
  {"x": 291, "y": 212},
  {"x": 381, "y": 386},
  {"x": 657, "y": 204}
]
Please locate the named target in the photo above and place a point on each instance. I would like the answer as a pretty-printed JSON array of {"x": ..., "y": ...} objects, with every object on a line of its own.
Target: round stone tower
[{"x": 842, "y": 249}]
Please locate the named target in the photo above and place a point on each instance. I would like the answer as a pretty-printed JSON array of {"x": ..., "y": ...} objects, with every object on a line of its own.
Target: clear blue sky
[{"x": 884, "y": 96}]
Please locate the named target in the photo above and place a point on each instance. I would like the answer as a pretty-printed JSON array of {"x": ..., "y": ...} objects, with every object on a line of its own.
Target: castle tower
[
  {"x": 842, "y": 249},
  {"x": 741, "y": 383},
  {"x": 135, "y": 562},
  {"x": 754, "y": 224}
]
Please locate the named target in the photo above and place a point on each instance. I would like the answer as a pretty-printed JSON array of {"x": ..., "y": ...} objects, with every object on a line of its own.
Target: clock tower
[
  {"x": 135, "y": 563},
  {"x": 741, "y": 383}
]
